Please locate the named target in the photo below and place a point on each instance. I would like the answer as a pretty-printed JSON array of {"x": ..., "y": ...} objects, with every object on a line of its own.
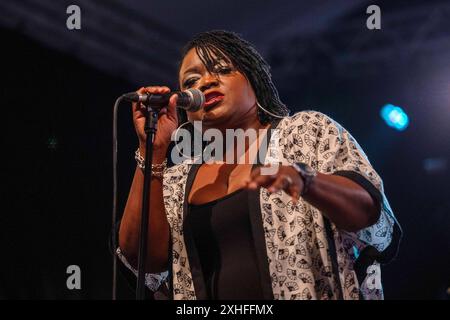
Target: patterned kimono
[{"x": 300, "y": 253}]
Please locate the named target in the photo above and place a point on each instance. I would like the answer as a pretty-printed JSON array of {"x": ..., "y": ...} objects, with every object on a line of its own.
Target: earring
[{"x": 268, "y": 112}]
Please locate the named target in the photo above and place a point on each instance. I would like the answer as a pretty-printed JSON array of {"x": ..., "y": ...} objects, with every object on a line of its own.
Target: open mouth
[{"x": 212, "y": 100}]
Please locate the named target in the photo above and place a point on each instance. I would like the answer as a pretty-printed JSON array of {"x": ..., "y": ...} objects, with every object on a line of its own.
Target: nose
[{"x": 209, "y": 82}]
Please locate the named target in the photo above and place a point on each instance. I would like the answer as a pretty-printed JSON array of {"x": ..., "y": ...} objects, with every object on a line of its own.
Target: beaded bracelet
[{"x": 157, "y": 169}]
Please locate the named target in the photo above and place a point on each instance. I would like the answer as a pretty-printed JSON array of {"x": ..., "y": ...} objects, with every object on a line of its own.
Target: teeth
[
  {"x": 213, "y": 99},
  {"x": 213, "y": 96}
]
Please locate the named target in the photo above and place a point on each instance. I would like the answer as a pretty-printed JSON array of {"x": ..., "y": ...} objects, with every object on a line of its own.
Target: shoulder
[
  {"x": 309, "y": 117},
  {"x": 310, "y": 122}
]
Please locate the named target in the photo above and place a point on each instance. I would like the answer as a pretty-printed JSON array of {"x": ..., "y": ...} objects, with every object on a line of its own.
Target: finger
[
  {"x": 162, "y": 111},
  {"x": 145, "y": 90},
  {"x": 156, "y": 89},
  {"x": 141, "y": 90},
  {"x": 253, "y": 174},
  {"x": 254, "y": 180},
  {"x": 282, "y": 182},
  {"x": 172, "y": 107},
  {"x": 138, "y": 110},
  {"x": 261, "y": 181},
  {"x": 294, "y": 191},
  {"x": 137, "y": 107}
]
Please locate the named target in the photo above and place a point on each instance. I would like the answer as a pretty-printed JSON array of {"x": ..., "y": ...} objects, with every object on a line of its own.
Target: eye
[
  {"x": 189, "y": 82},
  {"x": 223, "y": 70}
]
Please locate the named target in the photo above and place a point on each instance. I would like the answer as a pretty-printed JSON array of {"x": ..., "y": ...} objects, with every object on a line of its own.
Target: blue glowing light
[{"x": 395, "y": 117}]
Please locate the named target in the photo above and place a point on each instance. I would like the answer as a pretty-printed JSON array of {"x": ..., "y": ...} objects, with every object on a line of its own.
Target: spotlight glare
[{"x": 394, "y": 117}]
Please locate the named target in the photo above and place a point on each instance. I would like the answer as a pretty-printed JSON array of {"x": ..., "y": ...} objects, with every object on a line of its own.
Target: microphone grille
[{"x": 198, "y": 99}]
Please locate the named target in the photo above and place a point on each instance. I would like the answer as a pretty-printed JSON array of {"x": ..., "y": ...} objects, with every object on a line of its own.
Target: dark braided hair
[{"x": 217, "y": 45}]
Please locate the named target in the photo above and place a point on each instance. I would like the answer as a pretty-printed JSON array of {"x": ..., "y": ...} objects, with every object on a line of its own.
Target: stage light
[{"x": 395, "y": 117}]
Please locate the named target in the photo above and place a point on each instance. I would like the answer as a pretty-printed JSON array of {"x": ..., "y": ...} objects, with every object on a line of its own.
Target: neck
[{"x": 244, "y": 149}]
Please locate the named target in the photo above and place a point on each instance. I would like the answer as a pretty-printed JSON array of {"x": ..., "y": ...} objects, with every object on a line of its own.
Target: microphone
[{"x": 189, "y": 100}]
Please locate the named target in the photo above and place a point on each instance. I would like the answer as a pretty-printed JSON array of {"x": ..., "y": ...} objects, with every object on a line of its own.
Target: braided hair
[{"x": 219, "y": 45}]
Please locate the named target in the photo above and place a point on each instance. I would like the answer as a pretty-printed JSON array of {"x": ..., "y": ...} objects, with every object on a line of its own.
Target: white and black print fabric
[{"x": 299, "y": 255}]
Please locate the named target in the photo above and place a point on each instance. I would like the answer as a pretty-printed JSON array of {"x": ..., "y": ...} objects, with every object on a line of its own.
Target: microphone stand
[{"x": 150, "y": 128}]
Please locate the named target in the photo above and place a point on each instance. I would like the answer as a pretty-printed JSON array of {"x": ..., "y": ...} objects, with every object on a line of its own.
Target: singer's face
[{"x": 230, "y": 98}]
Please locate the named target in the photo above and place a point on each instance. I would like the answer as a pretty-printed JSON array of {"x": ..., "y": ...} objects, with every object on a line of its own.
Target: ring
[{"x": 289, "y": 180}]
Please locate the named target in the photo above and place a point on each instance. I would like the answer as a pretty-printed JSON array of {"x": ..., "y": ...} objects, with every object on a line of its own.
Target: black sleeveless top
[{"x": 222, "y": 234}]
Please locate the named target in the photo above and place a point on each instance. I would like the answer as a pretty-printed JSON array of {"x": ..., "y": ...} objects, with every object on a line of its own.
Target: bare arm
[
  {"x": 345, "y": 202},
  {"x": 348, "y": 205},
  {"x": 158, "y": 227}
]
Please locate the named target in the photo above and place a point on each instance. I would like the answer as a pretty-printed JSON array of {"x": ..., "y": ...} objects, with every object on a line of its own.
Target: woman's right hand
[{"x": 167, "y": 120}]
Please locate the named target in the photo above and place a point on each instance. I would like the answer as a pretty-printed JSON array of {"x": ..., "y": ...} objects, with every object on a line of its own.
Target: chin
[
  {"x": 215, "y": 113},
  {"x": 215, "y": 119}
]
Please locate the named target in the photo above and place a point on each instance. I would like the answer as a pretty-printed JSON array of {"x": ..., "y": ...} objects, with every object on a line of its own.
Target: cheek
[
  {"x": 247, "y": 98},
  {"x": 247, "y": 95}
]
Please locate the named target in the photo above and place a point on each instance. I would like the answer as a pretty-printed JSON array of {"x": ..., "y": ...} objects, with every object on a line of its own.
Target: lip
[{"x": 212, "y": 99}]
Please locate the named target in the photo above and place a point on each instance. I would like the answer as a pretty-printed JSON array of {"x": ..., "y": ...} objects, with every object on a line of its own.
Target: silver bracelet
[{"x": 157, "y": 169}]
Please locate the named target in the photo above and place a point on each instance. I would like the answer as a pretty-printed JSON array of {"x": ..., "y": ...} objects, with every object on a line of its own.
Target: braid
[{"x": 219, "y": 45}]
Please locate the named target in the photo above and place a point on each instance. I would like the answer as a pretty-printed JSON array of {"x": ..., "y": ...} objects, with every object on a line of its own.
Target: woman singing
[{"x": 307, "y": 220}]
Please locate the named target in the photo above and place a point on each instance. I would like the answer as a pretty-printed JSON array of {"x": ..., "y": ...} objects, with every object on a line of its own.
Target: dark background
[{"x": 58, "y": 90}]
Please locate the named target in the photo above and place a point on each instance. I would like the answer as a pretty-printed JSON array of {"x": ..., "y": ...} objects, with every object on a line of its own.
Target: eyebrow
[{"x": 220, "y": 62}]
